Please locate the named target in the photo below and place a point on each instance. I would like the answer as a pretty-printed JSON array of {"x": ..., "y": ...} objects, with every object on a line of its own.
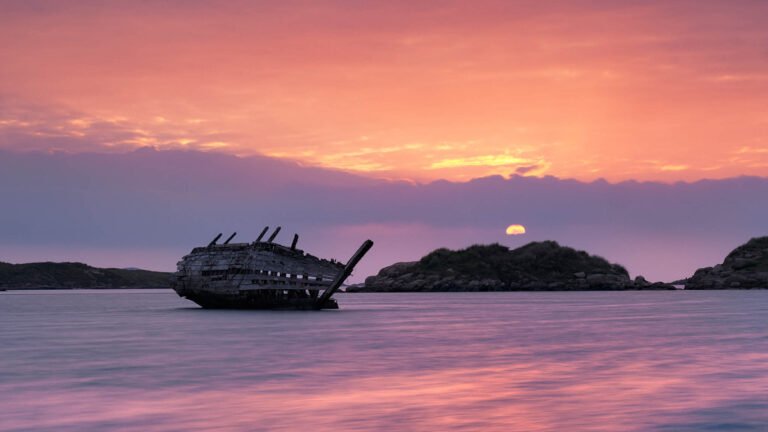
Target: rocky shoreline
[
  {"x": 746, "y": 267},
  {"x": 537, "y": 266},
  {"x": 72, "y": 275}
]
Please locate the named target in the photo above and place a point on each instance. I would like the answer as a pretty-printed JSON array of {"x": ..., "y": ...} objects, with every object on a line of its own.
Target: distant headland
[
  {"x": 71, "y": 275},
  {"x": 537, "y": 266},
  {"x": 746, "y": 267},
  {"x": 547, "y": 266}
]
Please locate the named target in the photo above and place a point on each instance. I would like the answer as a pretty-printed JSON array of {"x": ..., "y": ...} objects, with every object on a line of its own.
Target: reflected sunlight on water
[{"x": 146, "y": 360}]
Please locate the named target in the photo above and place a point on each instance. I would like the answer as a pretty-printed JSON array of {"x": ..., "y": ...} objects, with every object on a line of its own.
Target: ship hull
[
  {"x": 260, "y": 276},
  {"x": 209, "y": 300}
]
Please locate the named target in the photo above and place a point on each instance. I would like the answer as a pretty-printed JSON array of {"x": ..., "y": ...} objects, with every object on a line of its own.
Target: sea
[{"x": 147, "y": 360}]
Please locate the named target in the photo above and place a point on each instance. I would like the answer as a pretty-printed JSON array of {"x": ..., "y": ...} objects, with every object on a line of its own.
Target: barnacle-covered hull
[{"x": 261, "y": 275}]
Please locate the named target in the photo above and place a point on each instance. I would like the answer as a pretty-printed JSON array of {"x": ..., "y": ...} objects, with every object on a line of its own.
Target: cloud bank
[{"x": 149, "y": 207}]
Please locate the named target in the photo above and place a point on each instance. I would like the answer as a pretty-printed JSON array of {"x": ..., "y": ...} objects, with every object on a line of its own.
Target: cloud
[
  {"x": 34, "y": 127},
  {"x": 752, "y": 150},
  {"x": 522, "y": 170},
  {"x": 481, "y": 161},
  {"x": 174, "y": 200},
  {"x": 674, "y": 167},
  {"x": 567, "y": 80}
]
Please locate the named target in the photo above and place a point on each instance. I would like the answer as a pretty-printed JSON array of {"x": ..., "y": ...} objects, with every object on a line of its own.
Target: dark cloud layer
[{"x": 173, "y": 200}]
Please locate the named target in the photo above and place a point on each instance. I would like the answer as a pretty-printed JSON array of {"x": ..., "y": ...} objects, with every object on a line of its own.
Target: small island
[
  {"x": 746, "y": 267},
  {"x": 72, "y": 275},
  {"x": 537, "y": 266}
]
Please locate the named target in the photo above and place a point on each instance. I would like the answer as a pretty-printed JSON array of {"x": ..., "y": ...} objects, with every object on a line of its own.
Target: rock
[
  {"x": 746, "y": 267},
  {"x": 656, "y": 286},
  {"x": 354, "y": 288},
  {"x": 537, "y": 266},
  {"x": 473, "y": 285},
  {"x": 641, "y": 282},
  {"x": 69, "y": 275}
]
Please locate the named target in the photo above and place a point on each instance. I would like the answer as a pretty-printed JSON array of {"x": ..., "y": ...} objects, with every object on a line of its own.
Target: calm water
[{"x": 147, "y": 360}]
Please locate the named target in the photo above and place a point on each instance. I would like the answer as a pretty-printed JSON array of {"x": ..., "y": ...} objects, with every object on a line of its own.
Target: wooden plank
[{"x": 344, "y": 274}]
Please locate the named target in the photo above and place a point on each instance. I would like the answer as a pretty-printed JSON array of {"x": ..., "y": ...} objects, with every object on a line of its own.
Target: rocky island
[
  {"x": 537, "y": 266},
  {"x": 746, "y": 267},
  {"x": 68, "y": 275}
]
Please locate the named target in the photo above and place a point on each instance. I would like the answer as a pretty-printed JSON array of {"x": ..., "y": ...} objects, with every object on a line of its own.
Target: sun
[{"x": 515, "y": 229}]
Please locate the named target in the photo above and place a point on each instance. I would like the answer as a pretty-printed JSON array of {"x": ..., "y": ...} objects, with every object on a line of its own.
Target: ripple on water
[{"x": 147, "y": 360}]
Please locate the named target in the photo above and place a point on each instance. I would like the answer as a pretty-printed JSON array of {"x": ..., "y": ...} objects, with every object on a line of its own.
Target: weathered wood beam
[
  {"x": 344, "y": 274},
  {"x": 230, "y": 237},
  {"x": 213, "y": 242},
  {"x": 274, "y": 234},
  {"x": 263, "y": 232}
]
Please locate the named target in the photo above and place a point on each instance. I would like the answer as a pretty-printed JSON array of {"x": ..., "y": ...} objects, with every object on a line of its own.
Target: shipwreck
[{"x": 261, "y": 275}]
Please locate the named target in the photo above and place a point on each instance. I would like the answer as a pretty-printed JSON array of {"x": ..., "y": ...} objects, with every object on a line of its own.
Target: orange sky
[{"x": 665, "y": 90}]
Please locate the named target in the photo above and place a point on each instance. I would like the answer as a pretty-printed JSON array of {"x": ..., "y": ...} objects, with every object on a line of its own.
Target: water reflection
[{"x": 487, "y": 361}]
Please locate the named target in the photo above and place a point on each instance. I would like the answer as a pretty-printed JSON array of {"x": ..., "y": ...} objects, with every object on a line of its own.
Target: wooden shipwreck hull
[{"x": 261, "y": 275}]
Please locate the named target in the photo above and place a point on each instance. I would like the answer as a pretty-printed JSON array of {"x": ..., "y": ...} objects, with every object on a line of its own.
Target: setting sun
[{"x": 515, "y": 230}]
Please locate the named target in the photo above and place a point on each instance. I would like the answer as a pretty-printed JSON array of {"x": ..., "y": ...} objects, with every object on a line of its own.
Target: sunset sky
[
  {"x": 131, "y": 131},
  {"x": 647, "y": 90}
]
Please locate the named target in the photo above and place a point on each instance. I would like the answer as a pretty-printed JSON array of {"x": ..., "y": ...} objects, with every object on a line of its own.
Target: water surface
[{"x": 148, "y": 360}]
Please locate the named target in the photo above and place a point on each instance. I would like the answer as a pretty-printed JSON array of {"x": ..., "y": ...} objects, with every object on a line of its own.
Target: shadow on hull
[{"x": 258, "y": 300}]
